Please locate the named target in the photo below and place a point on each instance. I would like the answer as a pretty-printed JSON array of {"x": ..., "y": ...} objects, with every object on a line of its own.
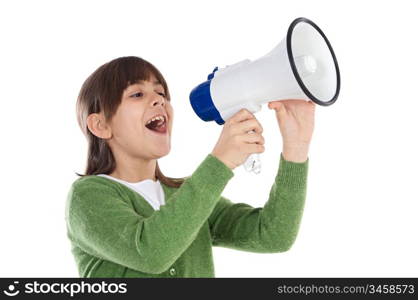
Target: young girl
[{"x": 126, "y": 219}]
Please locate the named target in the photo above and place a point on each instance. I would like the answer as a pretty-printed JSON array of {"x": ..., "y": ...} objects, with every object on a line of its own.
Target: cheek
[
  {"x": 128, "y": 122},
  {"x": 170, "y": 113}
]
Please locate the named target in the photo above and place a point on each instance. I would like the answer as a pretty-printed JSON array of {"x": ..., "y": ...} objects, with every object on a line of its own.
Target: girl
[{"x": 126, "y": 219}]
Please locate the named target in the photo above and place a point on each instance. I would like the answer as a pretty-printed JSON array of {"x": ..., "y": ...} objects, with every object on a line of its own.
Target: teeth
[{"x": 161, "y": 118}]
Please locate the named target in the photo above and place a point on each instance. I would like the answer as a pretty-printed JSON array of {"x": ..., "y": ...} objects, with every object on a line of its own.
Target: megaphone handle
[{"x": 253, "y": 163}]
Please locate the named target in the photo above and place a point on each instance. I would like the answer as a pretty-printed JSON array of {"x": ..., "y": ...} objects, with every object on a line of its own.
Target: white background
[{"x": 360, "y": 217}]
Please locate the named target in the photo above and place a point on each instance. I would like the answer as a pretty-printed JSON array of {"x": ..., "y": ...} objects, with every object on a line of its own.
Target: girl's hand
[
  {"x": 235, "y": 144},
  {"x": 296, "y": 123}
]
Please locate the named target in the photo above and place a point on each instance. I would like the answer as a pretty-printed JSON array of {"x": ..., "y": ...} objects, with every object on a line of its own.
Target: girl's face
[{"x": 132, "y": 131}]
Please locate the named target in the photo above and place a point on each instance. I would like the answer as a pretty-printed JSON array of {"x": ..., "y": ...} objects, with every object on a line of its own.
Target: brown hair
[{"x": 102, "y": 91}]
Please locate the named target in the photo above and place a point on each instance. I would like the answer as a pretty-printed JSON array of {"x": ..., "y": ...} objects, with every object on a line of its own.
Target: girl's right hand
[{"x": 236, "y": 143}]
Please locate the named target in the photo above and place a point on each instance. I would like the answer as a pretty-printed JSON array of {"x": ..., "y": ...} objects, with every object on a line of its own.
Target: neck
[{"x": 134, "y": 169}]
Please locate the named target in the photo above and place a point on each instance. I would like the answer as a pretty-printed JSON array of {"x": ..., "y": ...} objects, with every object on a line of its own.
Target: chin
[{"x": 161, "y": 153}]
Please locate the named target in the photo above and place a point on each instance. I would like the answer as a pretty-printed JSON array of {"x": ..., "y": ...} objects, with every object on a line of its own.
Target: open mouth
[{"x": 157, "y": 124}]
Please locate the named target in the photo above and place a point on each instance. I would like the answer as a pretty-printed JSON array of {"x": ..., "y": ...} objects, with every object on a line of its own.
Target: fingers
[
  {"x": 254, "y": 148},
  {"x": 235, "y": 142},
  {"x": 248, "y": 125},
  {"x": 282, "y": 103},
  {"x": 244, "y": 121},
  {"x": 278, "y": 105},
  {"x": 274, "y": 104},
  {"x": 242, "y": 115},
  {"x": 312, "y": 104},
  {"x": 253, "y": 138}
]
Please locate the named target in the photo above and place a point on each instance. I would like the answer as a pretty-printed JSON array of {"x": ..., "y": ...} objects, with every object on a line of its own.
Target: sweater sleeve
[
  {"x": 104, "y": 225},
  {"x": 269, "y": 229}
]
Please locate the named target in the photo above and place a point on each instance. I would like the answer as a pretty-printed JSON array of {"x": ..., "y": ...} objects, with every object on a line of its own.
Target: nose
[{"x": 158, "y": 100}]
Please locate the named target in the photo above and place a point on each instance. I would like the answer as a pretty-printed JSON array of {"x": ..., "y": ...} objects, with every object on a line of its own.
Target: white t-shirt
[{"x": 151, "y": 190}]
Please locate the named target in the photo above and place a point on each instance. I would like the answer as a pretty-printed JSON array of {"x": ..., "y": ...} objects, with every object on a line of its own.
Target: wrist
[
  {"x": 295, "y": 153},
  {"x": 225, "y": 162}
]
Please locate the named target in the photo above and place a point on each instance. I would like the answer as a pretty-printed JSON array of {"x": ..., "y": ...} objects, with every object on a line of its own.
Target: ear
[{"x": 96, "y": 123}]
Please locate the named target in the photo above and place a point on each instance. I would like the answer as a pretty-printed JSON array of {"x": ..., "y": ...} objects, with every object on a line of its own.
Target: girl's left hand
[{"x": 296, "y": 123}]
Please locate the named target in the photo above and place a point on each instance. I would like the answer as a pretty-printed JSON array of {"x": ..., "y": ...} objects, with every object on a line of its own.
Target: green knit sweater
[{"x": 114, "y": 232}]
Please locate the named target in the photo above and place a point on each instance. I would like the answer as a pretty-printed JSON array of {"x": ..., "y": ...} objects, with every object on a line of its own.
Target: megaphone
[{"x": 302, "y": 66}]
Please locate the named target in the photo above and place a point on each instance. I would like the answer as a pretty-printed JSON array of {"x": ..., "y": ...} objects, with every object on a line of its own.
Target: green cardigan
[{"x": 114, "y": 232}]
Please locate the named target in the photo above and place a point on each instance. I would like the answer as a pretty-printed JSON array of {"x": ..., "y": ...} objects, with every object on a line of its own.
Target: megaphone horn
[{"x": 302, "y": 66}]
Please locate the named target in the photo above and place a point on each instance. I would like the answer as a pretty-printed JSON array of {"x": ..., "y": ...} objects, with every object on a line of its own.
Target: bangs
[{"x": 132, "y": 71}]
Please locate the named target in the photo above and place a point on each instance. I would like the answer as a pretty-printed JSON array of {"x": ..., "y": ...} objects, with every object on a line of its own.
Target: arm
[
  {"x": 101, "y": 223},
  {"x": 270, "y": 229}
]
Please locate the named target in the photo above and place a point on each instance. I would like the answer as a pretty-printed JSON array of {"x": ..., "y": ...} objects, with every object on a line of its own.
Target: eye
[
  {"x": 139, "y": 94},
  {"x": 162, "y": 94}
]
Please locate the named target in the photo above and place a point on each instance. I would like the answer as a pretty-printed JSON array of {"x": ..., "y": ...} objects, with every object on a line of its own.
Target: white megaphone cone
[{"x": 302, "y": 66}]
